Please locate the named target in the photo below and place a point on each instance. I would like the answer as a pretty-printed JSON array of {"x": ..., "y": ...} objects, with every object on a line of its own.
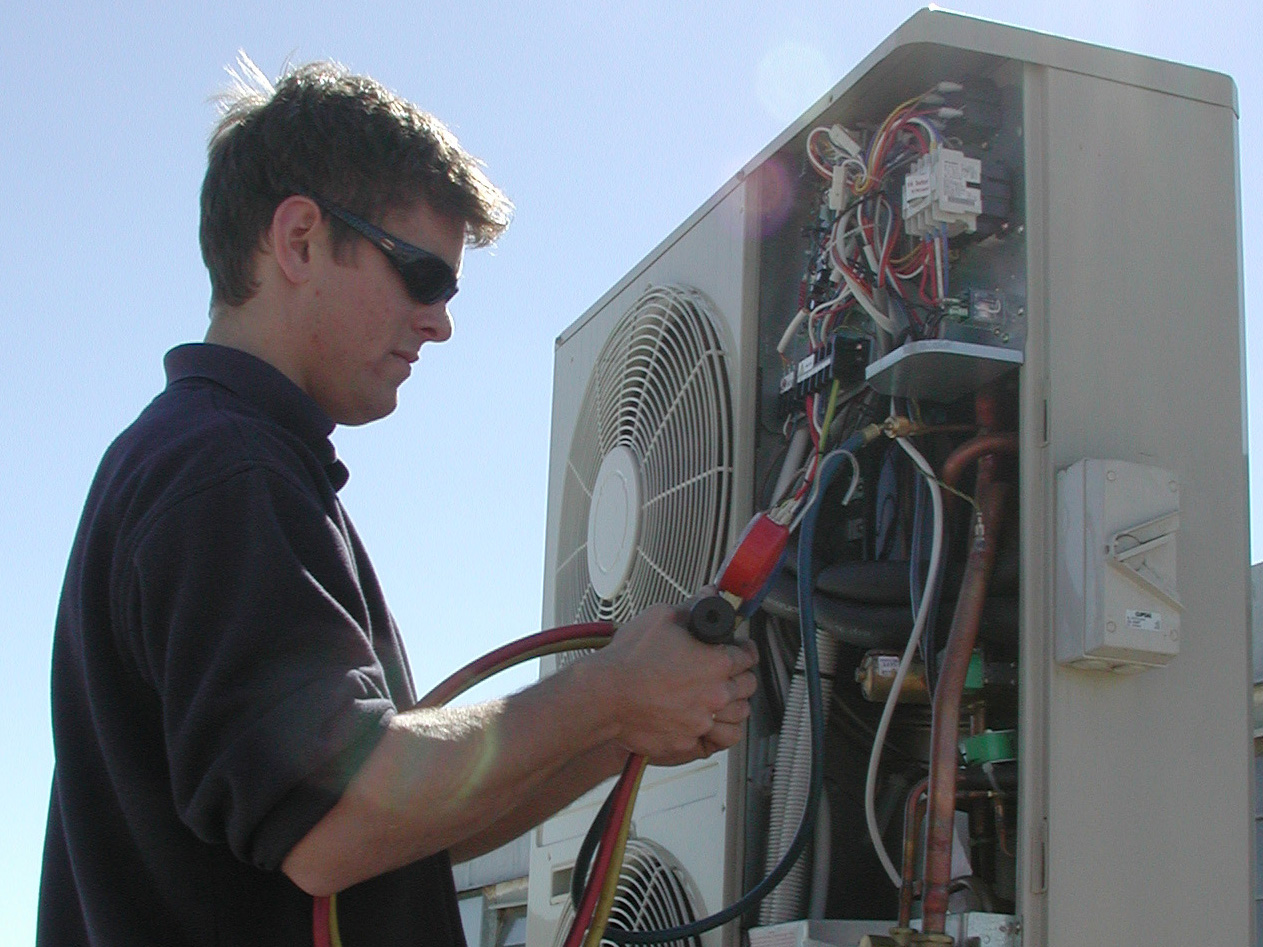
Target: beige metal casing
[{"x": 1135, "y": 351}]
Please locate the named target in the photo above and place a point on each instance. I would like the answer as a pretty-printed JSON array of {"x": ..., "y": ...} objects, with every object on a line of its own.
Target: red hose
[
  {"x": 585, "y": 635},
  {"x": 605, "y": 852},
  {"x": 514, "y": 652}
]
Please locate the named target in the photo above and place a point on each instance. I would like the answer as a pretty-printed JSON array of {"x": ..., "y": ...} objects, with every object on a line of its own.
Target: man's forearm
[
  {"x": 569, "y": 783},
  {"x": 439, "y": 778},
  {"x": 464, "y": 778}
]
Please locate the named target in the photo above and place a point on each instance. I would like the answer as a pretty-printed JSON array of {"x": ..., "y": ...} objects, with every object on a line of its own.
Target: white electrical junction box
[{"x": 1117, "y": 604}]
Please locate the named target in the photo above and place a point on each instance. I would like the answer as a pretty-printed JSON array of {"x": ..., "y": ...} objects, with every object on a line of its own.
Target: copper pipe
[
  {"x": 913, "y": 813},
  {"x": 971, "y": 450},
  {"x": 913, "y": 817},
  {"x": 945, "y": 726}
]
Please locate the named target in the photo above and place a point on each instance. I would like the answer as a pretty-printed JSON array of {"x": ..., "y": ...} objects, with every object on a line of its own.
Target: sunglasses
[{"x": 428, "y": 277}]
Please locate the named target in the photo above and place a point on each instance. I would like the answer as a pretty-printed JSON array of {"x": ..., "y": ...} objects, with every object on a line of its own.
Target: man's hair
[{"x": 323, "y": 130}]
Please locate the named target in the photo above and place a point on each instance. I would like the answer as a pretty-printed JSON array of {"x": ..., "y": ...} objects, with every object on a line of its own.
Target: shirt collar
[{"x": 264, "y": 387}]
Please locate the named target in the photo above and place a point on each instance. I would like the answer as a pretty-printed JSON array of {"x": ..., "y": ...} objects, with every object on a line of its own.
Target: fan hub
[{"x": 614, "y": 522}]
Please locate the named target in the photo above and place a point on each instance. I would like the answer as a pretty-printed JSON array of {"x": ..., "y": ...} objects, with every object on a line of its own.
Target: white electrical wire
[
  {"x": 791, "y": 467},
  {"x": 815, "y": 485},
  {"x": 930, "y": 129},
  {"x": 927, "y": 597},
  {"x": 883, "y": 321},
  {"x": 794, "y": 323},
  {"x": 867, "y": 247},
  {"x": 887, "y": 240}
]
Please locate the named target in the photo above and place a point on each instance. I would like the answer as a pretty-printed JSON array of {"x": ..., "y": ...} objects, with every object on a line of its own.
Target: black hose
[{"x": 583, "y": 861}]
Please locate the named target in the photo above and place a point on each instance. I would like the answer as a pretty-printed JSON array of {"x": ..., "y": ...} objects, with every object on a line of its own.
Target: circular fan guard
[
  {"x": 649, "y": 474},
  {"x": 654, "y": 893}
]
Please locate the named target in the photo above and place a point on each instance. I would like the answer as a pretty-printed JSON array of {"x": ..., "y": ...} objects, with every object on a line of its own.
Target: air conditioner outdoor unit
[{"x": 974, "y": 208}]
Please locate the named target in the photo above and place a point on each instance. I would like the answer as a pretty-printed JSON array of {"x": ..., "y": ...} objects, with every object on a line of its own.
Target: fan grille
[
  {"x": 653, "y": 894},
  {"x": 660, "y": 390}
]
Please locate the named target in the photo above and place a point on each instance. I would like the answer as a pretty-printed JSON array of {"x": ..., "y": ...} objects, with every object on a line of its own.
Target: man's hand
[{"x": 677, "y": 699}]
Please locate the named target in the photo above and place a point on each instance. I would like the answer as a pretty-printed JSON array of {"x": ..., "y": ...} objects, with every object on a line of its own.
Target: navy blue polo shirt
[{"x": 223, "y": 663}]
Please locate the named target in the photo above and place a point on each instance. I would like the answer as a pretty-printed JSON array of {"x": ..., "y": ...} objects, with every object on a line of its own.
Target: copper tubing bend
[
  {"x": 971, "y": 450},
  {"x": 913, "y": 814},
  {"x": 945, "y": 726}
]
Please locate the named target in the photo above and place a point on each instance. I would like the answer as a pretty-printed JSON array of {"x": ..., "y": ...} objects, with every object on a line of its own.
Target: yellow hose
[{"x": 601, "y": 916}]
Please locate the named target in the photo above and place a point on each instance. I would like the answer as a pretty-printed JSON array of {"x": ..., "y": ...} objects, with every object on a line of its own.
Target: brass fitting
[
  {"x": 870, "y": 432},
  {"x": 894, "y": 427}
]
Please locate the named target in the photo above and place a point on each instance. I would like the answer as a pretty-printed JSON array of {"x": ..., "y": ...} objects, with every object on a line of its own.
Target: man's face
[{"x": 363, "y": 331}]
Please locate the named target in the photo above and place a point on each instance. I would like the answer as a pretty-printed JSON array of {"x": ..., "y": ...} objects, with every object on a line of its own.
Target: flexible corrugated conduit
[{"x": 791, "y": 782}]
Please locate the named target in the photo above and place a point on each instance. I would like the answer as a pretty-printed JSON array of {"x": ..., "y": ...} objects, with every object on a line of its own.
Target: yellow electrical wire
[
  {"x": 828, "y": 421},
  {"x": 866, "y": 183},
  {"x": 601, "y": 916}
]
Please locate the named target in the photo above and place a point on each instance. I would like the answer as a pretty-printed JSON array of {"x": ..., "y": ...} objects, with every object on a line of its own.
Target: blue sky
[{"x": 607, "y": 124}]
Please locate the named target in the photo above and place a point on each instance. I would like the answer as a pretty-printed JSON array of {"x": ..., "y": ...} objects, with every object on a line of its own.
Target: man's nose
[{"x": 433, "y": 322}]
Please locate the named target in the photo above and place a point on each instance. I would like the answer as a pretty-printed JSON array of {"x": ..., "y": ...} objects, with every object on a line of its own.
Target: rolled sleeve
[{"x": 254, "y": 632}]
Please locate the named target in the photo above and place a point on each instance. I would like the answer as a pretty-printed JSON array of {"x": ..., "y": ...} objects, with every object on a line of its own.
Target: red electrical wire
[{"x": 321, "y": 930}]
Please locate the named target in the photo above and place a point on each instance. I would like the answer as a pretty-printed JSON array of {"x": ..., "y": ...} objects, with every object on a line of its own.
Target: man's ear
[{"x": 291, "y": 234}]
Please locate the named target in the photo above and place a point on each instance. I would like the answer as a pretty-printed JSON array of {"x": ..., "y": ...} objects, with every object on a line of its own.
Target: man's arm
[
  {"x": 569, "y": 783},
  {"x": 575, "y": 778},
  {"x": 446, "y": 778}
]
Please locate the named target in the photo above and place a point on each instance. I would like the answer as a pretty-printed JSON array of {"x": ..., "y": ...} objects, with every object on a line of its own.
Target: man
[{"x": 231, "y": 701}]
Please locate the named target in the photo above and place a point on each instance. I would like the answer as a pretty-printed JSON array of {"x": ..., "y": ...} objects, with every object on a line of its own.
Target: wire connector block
[{"x": 843, "y": 358}]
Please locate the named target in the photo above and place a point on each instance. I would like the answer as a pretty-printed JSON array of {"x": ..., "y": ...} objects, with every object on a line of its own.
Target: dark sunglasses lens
[{"x": 429, "y": 281}]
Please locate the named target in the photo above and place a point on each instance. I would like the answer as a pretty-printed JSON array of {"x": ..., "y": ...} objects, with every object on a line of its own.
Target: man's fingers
[
  {"x": 743, "y": 656},
  {"x": 734, "y": 713},
  {"x": 742, "y": 685}
]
